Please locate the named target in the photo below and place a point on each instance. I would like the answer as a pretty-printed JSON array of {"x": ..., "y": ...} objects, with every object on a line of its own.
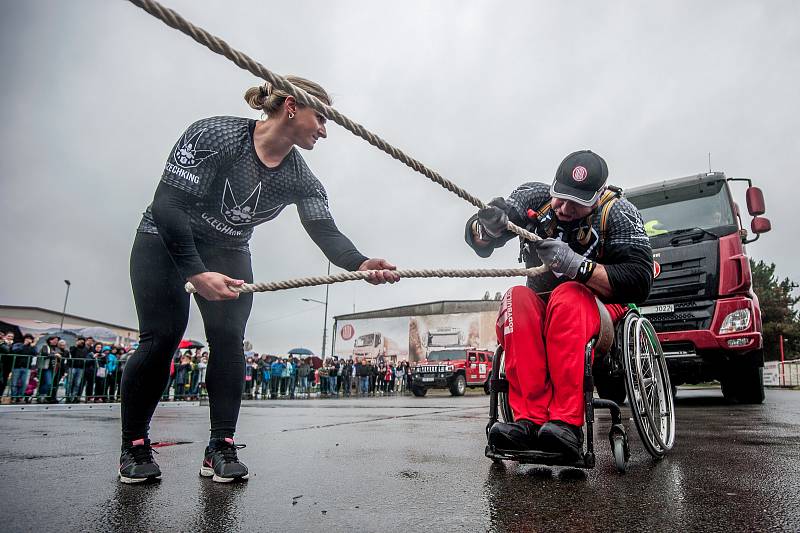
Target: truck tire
[
  {"x": 609, "y": 388},
  {"x": 419, "y": 392},
  {"x": 459, "y": 385},
  {"x": 744, "y": 384}
]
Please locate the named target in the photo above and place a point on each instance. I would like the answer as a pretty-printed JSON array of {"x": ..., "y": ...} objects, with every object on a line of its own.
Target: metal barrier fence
[
  {"x": 324, "y": 387},
  {"x": 782, "y": 374},
  {"x": 50, "y": 380}
]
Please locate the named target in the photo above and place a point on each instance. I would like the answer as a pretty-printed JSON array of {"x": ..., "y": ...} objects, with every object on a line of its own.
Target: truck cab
[
  {"x": 375, "y": 346},
  {"x": 368, "y": 346},
  {"x": 702, "y": 303},
  {"x": 445, "y": 337},
  {"x": 454, "y": 369}
]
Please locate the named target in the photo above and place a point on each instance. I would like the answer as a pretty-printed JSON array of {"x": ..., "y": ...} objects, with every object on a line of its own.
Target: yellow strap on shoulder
[{"x": 606, "y": 201}]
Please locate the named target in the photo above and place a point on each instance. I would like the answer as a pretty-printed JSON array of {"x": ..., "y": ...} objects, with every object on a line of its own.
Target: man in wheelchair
[{"x": 595, "y": 245}]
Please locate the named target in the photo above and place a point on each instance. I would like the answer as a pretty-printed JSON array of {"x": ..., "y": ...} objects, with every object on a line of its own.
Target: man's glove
[
  {"x": 559, "y": 257},
  {"x": 493, "y": 217}
]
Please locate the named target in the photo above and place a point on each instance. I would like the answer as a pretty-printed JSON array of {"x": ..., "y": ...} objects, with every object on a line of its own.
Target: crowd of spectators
[
  {"x": 272, "y": 377},
  {"x": 90, "y": 371}
]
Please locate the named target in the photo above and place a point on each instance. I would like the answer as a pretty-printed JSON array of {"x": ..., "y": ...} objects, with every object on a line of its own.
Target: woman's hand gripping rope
[
  {"x": 382, "y": 271},
  {"x": 214, "y": 286}
]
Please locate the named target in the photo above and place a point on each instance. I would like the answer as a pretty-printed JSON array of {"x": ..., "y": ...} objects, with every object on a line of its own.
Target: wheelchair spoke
[{"x": 647, "y": 384}]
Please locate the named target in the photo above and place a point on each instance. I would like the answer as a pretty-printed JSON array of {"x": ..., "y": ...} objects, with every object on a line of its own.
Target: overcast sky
[{"x": 490, "y": 94}]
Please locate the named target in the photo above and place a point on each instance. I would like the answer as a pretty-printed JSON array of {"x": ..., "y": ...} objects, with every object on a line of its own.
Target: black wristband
[{"x": 585, "y": 271}]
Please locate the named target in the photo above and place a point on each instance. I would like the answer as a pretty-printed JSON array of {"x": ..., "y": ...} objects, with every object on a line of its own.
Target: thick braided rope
[
  {"x": 217, "y": 45},
  {"x": 364, "y": 274}
]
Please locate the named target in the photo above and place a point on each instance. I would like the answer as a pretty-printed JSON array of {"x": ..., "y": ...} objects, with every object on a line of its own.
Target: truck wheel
[
  {"x": 613, "y": 389},
  {"x": 459, "y": 386},
  {"x": 744, "y": 384},
  {"x": 419, "y": 391}
]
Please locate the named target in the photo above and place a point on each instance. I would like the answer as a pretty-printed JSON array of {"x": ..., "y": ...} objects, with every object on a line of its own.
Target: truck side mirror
[
  {"x": 760, "y": 225},
  {"x": 755, "y": 202}
]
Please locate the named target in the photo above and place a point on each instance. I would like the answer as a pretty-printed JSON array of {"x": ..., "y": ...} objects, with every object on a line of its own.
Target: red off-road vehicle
[{"x": 454, "y": 369}]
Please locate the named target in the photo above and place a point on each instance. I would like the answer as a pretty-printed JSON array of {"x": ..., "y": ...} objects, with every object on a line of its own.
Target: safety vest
[{"x": 608, "y": 198}]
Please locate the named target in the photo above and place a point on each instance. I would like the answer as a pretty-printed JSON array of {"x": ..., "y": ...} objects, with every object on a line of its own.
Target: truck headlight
[
  {"x": 739, "y": 320},
  {"x": 450, "y": 368}
]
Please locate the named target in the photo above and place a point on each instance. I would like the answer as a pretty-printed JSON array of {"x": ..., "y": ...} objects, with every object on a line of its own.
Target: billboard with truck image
[{"x": 411, "y": 338}]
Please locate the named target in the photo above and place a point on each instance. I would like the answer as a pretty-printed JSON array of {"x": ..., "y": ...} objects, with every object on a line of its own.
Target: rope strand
[{"x": 364, "y": 274}]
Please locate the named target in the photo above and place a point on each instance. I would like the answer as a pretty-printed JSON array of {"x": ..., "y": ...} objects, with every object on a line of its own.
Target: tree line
[{"x": 778, "y": 313}]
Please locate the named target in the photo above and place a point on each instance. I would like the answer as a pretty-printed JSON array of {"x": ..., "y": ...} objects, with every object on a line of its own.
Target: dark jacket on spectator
[
  {"x": 303, "y": 370},
  {"x": 78, "y": 356},
  {"x": 5, "y": 356},
  {"x": 347, "y": 370},
  {"x": 23, "y": 353}
]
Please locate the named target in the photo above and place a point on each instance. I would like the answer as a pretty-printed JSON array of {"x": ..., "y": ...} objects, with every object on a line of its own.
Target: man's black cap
[{"x": 580, "y": 177}]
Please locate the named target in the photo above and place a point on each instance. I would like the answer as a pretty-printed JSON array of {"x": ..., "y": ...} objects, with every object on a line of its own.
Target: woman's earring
[{"x": 291, "y": 115}]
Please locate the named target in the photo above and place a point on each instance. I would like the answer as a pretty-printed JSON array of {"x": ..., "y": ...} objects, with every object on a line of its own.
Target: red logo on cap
[{"x": 579, "y": 173}]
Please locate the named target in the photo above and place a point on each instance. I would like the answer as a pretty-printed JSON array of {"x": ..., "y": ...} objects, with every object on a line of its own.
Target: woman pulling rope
[{"x": 224, "y": 176}]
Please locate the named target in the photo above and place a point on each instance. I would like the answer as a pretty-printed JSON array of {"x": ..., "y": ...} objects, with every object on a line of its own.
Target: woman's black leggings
[{"x": 163, "y": 308}]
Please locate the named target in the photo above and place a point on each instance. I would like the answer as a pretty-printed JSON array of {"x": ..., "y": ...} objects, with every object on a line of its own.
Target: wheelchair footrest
[{"x": 536, "y": 457}]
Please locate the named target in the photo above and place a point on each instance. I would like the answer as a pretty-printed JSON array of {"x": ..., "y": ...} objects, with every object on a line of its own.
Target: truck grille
[
  {"x": 680, "y": 278},
  {"x": 694, "y": 314},
  {"x": 431, "y": 369}
]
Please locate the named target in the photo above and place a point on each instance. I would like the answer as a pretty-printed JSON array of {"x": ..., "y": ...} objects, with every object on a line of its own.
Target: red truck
[
  {"x": 454, "y": 369},
  {"x": 702, "y": 302}
]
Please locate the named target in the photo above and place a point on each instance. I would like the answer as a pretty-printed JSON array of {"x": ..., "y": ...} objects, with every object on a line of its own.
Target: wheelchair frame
[{"x": 635, "y": 355}]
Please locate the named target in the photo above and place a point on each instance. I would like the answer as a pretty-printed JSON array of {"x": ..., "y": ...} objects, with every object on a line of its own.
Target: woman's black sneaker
[
  {"x": 136, "y": 464},
  {"x": 221, "y": 463}
]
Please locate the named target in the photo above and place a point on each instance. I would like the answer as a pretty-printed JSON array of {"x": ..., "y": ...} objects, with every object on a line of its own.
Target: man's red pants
[{"x": 544, "y": 348}]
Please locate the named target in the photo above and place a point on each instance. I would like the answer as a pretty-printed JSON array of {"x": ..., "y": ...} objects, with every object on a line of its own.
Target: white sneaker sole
[
  {"x": 209, "y": 472},
  {"x": 134, "y": 480}
]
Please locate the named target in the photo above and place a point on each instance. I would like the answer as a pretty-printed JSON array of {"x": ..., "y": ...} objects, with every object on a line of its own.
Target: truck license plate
[
  {"x": 427, "y": 379},
  {"x": 657, "y": 309}
]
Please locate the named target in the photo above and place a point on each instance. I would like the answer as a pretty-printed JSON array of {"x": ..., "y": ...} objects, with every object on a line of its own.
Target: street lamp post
[
  {"x": 64, "y": 311},
  {"x": 325, "y": 318}
]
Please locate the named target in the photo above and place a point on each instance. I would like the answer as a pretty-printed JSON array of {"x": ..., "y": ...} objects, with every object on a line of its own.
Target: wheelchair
[{"x": 628, "y": 361}]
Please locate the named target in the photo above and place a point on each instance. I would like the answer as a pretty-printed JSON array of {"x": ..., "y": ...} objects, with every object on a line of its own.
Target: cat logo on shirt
[
  {"x": 187, "y": 155},
  {"x": 241, "y": 213}
]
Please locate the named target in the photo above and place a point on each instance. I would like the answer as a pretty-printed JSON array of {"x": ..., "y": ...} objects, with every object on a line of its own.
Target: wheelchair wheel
[
  {"x": 618, "y": 450},
  {"x": 502, "y": 397},
  {"x": 648, "y": 385}
]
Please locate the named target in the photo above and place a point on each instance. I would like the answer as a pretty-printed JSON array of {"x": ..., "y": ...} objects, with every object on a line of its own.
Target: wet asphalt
[{"x": 401, "y": 464}]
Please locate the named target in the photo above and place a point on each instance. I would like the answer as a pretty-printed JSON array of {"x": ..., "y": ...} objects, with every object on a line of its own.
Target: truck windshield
[
  {"x": 365, "y": 340},
  {"x": 446, "y": 355},
  {"x": 705, "y": 206}
]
